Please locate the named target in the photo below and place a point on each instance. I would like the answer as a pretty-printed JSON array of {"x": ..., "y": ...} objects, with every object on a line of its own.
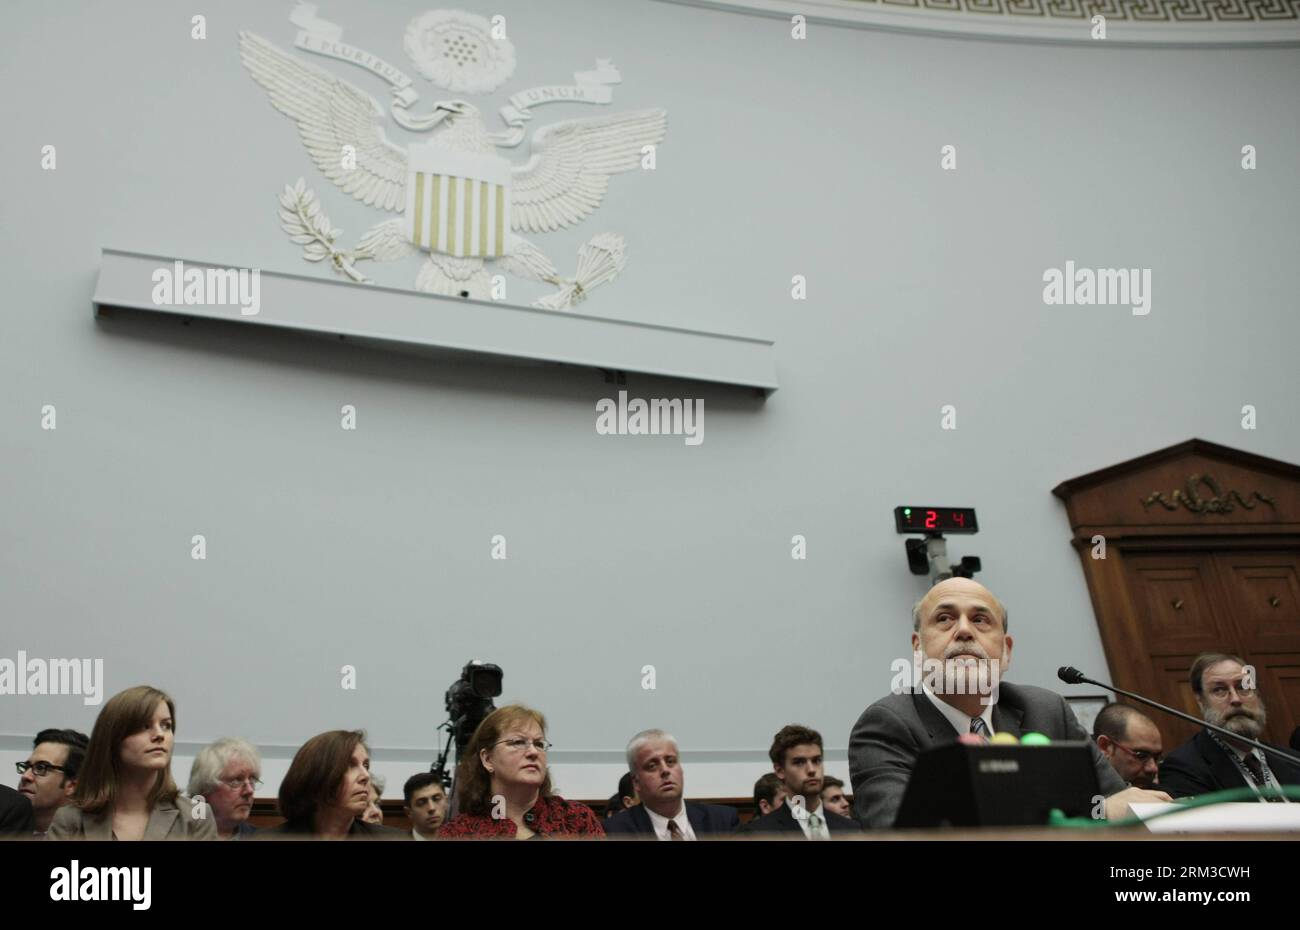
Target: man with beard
[
  {"x": 960, "y": 625},
  {"x": 1210, "y": 762}
]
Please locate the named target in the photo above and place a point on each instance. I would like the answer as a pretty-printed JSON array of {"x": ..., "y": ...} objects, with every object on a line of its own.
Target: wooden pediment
[{"x": 1194, "y": 486}]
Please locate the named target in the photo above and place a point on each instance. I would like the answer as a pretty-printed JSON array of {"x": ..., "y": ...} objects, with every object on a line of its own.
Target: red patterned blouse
[{"x": 551, "y": 816}]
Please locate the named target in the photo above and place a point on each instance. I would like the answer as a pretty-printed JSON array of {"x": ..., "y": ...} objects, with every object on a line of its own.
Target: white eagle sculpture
[{"x": 461, "y": 201}]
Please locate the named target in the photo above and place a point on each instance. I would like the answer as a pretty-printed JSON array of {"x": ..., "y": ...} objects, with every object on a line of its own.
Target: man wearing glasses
[
  {"x": 1131, "y": 741},
  {"x": 49, "y": 776},
  {"x": 227, "y": 774},
  {"x": 1225, "y": 689}
]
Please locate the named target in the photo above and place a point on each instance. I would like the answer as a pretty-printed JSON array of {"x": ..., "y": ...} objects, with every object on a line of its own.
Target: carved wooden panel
[
  {"x": 1202, "y": 555},
  {"x": 1177, "y": 602},
  {"x": 1264, "y": 591}
]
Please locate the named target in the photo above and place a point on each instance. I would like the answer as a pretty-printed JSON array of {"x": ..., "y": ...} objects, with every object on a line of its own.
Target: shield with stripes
[{"x": 457, "y": 202}]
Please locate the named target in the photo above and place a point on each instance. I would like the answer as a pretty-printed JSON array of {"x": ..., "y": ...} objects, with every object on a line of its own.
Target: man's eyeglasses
[
  {"x": 519, "y": 745},
  {"x": 1143, "y": 755},
  {"x": 40, "y": 768},
  {"x": 237, "y": 784}
]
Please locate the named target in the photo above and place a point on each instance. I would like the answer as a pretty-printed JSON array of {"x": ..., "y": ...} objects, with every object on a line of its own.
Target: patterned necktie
[
  {"x": 1251, "y": 761},
  {"x": 978, "y": 728},
  {"x": 674, "y": 831}
]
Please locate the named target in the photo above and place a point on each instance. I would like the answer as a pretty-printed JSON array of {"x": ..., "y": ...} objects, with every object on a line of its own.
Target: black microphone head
[{"x": 1070, "y": 675}]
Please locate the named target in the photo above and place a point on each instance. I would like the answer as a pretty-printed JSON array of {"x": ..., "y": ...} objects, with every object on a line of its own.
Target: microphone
[{"x": 1072, "y": 676}]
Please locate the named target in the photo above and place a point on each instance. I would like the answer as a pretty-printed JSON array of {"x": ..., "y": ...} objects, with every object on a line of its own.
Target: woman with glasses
[
  {"x": 227, "y": 774},
  {"x": 125, "y": 789},
  {"x": 326, "y": 791},
  {"x": 503, "y": 787}
]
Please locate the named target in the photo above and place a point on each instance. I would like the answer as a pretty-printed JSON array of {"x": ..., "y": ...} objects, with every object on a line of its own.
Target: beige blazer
[{"x": 167, "y": 821}]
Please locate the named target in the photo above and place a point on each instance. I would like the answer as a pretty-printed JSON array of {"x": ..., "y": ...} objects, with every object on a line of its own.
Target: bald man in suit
[{"x": 960, "y": 622}]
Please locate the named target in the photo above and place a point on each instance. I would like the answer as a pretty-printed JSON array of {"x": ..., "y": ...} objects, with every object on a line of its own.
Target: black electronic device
[
  {"x": 923, "y": 519},
  {"x": 960, "y": 785}
]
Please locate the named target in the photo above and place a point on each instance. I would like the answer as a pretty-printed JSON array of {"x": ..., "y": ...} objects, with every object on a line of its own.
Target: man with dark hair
[
  {"x": 1224, "y": 686},
  {"x": 769, "y": 794},
  {"x": 834, "y": 798},
  {"x": 49, "y": 776},
  {"x": 626, "y": 797},
  {"x": 425, "y": 804},
  {"x": 796, "y": 755},
  {"x": 960, "y": 628},
  {"x": 1131, "y": 741}
]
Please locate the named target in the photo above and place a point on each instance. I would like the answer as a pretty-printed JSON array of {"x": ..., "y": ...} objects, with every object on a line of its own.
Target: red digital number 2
[{"x": 930, "y": 519}]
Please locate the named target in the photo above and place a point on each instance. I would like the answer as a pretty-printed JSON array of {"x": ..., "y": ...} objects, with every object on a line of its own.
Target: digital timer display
[{"x": 917, "y": 519}]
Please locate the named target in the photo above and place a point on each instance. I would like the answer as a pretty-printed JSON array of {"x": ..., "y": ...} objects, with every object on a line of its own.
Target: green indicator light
[{"x": 907, "y": 511}]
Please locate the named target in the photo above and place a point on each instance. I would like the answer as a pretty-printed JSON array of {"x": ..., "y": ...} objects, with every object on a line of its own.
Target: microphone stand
[{"x": 1073, "y": 676}]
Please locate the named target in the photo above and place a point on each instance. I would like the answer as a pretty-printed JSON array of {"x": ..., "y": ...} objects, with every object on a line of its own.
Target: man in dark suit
[
  {"x": 1209, "y": 762},
  {"x": 657, "y": 777},
  {"x": 16, "y": 818},
  {"x": 961, "y": 630},
  {"x": 796, "y": 755}
]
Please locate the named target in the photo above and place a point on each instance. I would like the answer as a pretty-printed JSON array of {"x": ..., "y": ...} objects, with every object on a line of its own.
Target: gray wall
[{"x": 372, "y": 548}]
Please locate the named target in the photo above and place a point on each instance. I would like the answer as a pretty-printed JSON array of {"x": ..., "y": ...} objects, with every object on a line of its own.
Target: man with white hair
[
  {"x": 960, "y": 628},
  {"x": 656, "y": 770},
  {"x": 227, "y": 773}
]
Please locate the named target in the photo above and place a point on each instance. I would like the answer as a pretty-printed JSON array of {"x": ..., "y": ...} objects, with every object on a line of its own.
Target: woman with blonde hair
[
  {"x": 503, "y": 787},
  {"x": 125, "y": 789}
]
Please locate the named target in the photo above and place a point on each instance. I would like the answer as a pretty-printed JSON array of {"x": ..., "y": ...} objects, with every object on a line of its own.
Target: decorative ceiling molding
[{"x": 1199, "y": 23}]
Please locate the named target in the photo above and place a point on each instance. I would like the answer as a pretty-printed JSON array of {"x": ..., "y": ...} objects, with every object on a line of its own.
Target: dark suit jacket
[
  {"x": 705, "y": 819},
  {"x": 16, "y": 818},
  {"x": 1200, "y": 766},
  {"x": 782, "y": 821},
  {"x": 892, "y": 732}
]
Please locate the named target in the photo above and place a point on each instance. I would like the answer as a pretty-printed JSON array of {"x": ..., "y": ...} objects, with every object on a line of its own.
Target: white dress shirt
[
  {"x": 660, "y": 823},
  {"x": 960, "y": 721},
  {"x": 805, "y": 822}
]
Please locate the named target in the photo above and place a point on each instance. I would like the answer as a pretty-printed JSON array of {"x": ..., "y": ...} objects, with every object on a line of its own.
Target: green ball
[{"x": 1035, "y": 739}]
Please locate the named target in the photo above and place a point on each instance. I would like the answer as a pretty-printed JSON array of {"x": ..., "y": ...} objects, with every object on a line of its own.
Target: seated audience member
[
  {"x": 327, "y": 790},
  {"x": 16, "y": 818},
  {"x": 1210, "y": 762},
  {"x": 425, "y": 805},
  {"x": 961, "y": 624},
  {"x": 834, "y": 798},
  {"x": 227, "y": 773},
  {"x": 797, "y": 760},
  {"x": 656, "y": 772},
  {"x": 769, "y": 794},
  {"x": 374, "y": 810},
  {"x": 1131, "y": 742},
  {"x": 125, "y": 789},
  {"x": 625, "y": 798},
  {"x": 49, "y": 776},
  {"x": 503, "y": 786}
]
